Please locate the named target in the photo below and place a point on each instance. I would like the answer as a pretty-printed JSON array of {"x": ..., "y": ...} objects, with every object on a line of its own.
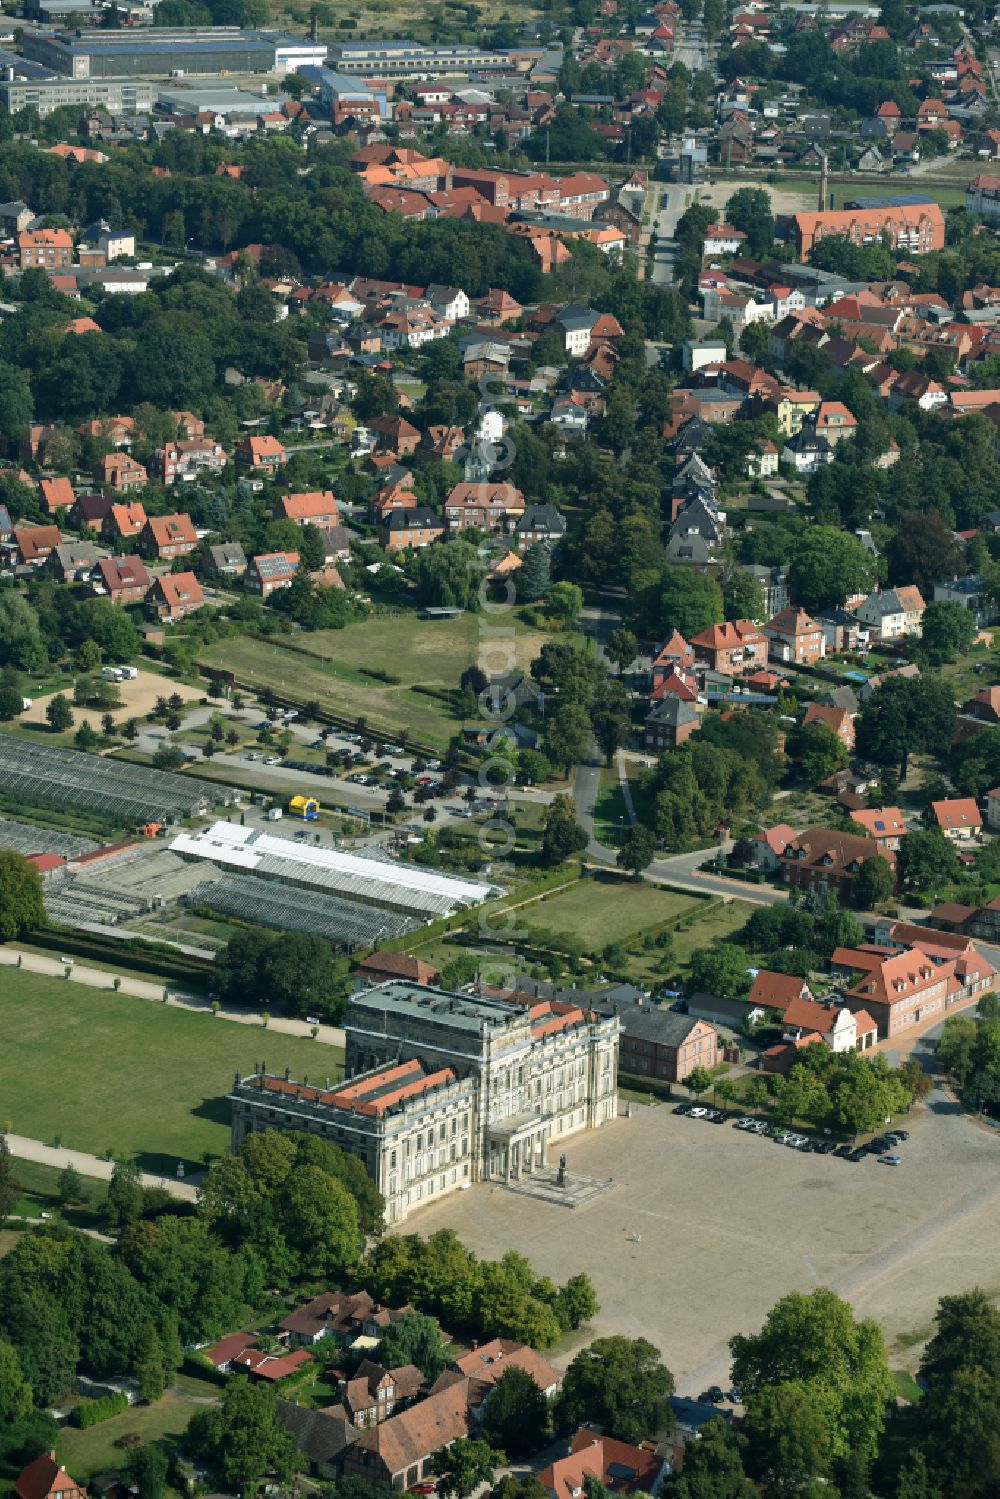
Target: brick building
[{"x": 825, "y": 860}]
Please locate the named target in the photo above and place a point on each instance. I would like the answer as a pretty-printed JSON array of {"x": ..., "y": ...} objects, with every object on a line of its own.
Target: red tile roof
[
  {"x": 775, "y": 991},
  {"x": 960, "y": 812},
  {"x": 45, "y": 1477}
]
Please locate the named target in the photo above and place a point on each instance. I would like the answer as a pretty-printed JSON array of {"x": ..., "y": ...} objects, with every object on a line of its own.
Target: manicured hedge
[{"x": 89, "y": 1412}]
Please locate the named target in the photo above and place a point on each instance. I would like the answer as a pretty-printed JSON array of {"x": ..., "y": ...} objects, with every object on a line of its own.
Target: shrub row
[
  {"x": 89, "y": 1412},
  {"x": 145, "y": 957}
]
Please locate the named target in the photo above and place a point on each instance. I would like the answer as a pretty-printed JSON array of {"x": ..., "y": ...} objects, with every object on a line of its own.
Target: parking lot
[{"x": 705, "y": 1228}]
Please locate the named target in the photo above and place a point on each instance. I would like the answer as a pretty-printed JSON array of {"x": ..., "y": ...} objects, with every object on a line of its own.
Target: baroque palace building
[{"x": 442, "y": 1089}]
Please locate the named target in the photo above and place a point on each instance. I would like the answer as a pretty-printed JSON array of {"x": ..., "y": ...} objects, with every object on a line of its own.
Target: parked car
[{"x": 890, "y": 1160}]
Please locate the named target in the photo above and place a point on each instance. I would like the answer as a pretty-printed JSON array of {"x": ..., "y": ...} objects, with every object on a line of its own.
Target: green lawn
[
  {"x": 84, "y": 1453},
  {"x": 607, "y": 908},
  {"x": 719, "y": 922},
  {"x": 39, "y": 1194},
  {"x": 106, "y": 1071},
  {"x": 906, "y": 1386},
  {"x": 330, "y": 666}
]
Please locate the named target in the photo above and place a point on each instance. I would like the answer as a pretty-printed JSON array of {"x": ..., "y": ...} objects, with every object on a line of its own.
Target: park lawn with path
[
  {"x": 106, "y": 1071},
  {"x": 39, "y": 1193},
  {"x": 84, "y": 1453},
  {"x": 330, "y": 666}
]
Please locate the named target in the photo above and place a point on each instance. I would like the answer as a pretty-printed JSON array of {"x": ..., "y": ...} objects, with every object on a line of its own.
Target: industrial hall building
[{"x": 443, "y": 1089}]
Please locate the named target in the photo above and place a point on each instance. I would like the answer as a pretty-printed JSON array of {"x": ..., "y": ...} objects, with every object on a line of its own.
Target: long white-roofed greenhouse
[{"x": 421, "y": 894}]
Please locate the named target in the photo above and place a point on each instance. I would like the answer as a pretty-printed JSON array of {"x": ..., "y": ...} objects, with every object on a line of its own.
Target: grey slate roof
[
  {"x": 673, "y": 712},
  {"x": 653, "y": 1023},
  {"x": 320, "y": 1436}
]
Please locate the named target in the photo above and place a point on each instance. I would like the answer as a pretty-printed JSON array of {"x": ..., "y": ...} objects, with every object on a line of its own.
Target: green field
[
  {"x": 330, "y": 666},
  {"x": 39, "y": 1194},
  {"x": 607, "y": 908},
  {"x": 104, "y": 1071},
  {"x": 84, "y": 1453},
  {"x": 713, "y": 926}
]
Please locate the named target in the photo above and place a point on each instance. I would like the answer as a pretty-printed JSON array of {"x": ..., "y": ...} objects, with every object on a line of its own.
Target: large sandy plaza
[{"x": 705, "y": 1227}]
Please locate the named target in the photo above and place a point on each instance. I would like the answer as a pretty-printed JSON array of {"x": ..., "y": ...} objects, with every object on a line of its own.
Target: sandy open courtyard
[
  {"x": 791, "y": 199},
  {"x": 706, "y": 1227},
  {"x": 138, "y": 698}
]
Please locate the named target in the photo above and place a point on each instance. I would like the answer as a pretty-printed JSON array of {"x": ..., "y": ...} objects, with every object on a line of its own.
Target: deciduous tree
[
  {"x": 619, "y": 1383},
  {"x": 464, "y": 1466},
  {"x": 516, "y": 1414},
  {"x": 21, "y": 905},
  {"x": 813, "y": 1343}
]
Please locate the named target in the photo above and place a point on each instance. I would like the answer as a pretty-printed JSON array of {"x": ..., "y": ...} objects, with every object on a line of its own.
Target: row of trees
[
  {"x": 489, "y": 1298},
  {"x": 969, "y": 1049}
]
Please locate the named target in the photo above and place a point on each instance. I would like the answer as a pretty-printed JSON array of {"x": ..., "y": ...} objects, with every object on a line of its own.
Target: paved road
[
  {"x": 92, "y": 1165},
  {"x": 179, "y": 999},
  {"x": 674, "y": 198},
  {"x": 682, "y": 871},
  {"x": 586, "y": 788}
]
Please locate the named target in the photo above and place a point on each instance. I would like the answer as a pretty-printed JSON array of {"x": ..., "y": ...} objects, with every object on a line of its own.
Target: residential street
[{"x": 674, "y": 198}]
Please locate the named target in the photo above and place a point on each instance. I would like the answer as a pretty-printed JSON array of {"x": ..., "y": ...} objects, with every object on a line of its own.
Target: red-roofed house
[
  {"x": 619, "y": 1466},
  {"x": 260, "y": 453},
  {"x": 125, "y": 519},
  {"x": 44, "y": 247},
  {"x": 317, "y": 508},
  {"x": 837, "y": 719},
  {"x": 827, "y": 860},
  {"x": 775, "y": 991},
  {"x": 836, "y": 1024},
  {"x": 56, "y": 494},
  {"x": 167, "y": 536},
  {"x": 46, "y": 1479},
  {"x": 270, "y": 570},
  {"x": 794, "y": 636},
  {"x": 723, "y": 239},
  {"x": 770, "y": 844},
  {"x": 380, "y": 966},
  {"x": 736, "y": 647},
  {"x": 175, "y": 595},
  {"x": 489, "y": 1362},
  {"x": 909, "y": 988},
  {"x": 397, "y": 1453},
  {"x": 35, "y": 543},
  {"x": 124, "y": 579},
  {"x": 221, "y": 1354},
  {"x": 270, "y": 1367},
  {"x": 884, "y": 824},
  {"x": 958, "y": 818},
  {"x": 121, "y": 471}
]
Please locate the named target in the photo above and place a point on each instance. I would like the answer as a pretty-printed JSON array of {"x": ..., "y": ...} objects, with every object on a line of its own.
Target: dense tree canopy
[{"x": 618, "y": 1382}]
